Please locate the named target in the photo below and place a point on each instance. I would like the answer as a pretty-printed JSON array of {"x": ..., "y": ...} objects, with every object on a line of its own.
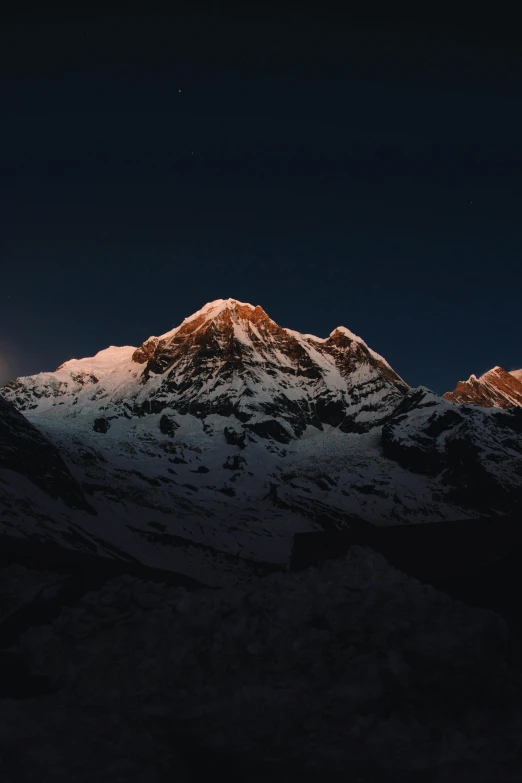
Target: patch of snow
[{"x": 102, "y": 362}]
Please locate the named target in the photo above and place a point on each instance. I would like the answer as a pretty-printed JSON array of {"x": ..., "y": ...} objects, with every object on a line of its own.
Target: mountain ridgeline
[
  {"x": 232, "y": 360},
  {"x": 205, "y": 449}
]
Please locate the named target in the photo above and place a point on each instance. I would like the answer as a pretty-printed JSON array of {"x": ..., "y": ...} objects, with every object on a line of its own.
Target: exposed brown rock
[
  {"x": 145, "y": 351},
  {"x": 495, "y": 389}
]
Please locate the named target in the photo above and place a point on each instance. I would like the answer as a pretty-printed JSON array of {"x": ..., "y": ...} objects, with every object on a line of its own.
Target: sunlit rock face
[
  {"x": 495, "y": 389},
  {"x": 231, "y": 359}
]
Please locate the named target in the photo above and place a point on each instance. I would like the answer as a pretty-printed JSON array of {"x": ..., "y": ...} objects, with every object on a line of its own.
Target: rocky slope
[
  {"x": 352, "y": 671},
  {"x": 496, "y": 388},
  {"x": 476, "y": 454},
  {"x": 39, "y": 497},
  {"x": 204, "y": 450},
  {"x": 24, "y": 450}
]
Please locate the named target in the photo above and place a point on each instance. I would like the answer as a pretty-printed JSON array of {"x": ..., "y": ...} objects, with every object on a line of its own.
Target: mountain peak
[
  {"x": 342, "y": 331},
  {"x": 495, "y": 388},
  {"x": 494, "y": 371},
  {"x": 217, "y": 306},
  {"x": 231, "y": 359},
  {"x": 212, "y": 311}
]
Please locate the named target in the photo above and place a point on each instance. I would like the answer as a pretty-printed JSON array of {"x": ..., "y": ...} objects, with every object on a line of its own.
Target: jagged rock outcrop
[{"x": 496, "y": 388}]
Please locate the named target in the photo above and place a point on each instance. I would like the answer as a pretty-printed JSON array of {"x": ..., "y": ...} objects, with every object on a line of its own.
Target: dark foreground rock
[{"x": 348, "y": 672}]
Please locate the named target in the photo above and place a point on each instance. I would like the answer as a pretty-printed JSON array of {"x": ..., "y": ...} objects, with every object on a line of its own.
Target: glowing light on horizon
[{"x": 7, "y": 372}]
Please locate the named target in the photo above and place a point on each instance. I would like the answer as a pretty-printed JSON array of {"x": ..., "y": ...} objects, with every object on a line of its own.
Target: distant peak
[
  {"x": 347, "y": 332},
  {"x": 489, "y": 373},
  {"x": 494, "y": 388}
]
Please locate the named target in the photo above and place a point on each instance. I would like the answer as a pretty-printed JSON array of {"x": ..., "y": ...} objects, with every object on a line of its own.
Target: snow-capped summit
[
  {"x": 210, "y": 311},
  {"x": 229, "y": 358},
  {"x": 495, "y": 389}
]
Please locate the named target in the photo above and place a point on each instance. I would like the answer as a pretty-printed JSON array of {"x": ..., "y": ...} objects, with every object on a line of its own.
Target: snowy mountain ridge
[
  {"x": 230, "y": 359},
  {"x": 205, "y": 449},
  {"x": 213, "y": 309}
]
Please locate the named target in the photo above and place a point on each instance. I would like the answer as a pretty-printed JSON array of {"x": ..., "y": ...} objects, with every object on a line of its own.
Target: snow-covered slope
[
  {"x": 25, "y": 451},
  {"x": 204, "y": 450},
  {"x": 496, "y": 388},
  {"x": 475, "y": 453},
  {"x": 39, "y": 496}
]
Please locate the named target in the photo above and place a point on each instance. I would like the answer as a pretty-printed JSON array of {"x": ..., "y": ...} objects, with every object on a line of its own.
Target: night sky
[{"x": 335, "y": 171}]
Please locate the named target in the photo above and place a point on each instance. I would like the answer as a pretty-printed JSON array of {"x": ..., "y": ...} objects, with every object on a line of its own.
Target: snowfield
[{"x": 352, "y": 672}]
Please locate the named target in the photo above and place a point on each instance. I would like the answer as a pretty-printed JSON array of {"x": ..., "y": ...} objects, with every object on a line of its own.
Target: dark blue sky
[{"x": 353, "y": 175}]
